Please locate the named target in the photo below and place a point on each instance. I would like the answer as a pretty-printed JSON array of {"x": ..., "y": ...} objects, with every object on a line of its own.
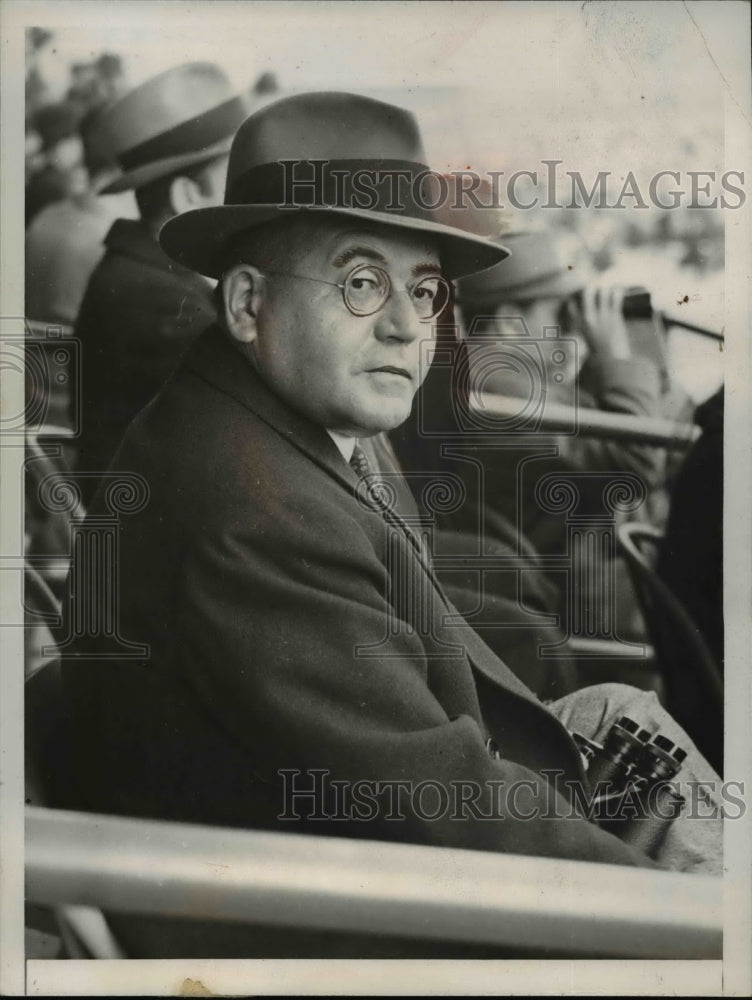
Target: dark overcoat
[
  {"x": 294, "y": 627},
  {"x": 140, "y": 313}
]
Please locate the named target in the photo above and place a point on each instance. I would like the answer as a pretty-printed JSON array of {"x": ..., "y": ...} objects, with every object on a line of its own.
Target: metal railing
[
  {"x": 556, "y": 418},
  {"x": 375, "y": 888}
]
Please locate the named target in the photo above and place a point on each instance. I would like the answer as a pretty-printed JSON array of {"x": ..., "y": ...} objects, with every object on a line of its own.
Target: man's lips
[{"x": 393, "y": 371}]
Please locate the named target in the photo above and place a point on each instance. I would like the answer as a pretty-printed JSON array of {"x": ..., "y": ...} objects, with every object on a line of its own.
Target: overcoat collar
[{"x": 215, "y": 360}]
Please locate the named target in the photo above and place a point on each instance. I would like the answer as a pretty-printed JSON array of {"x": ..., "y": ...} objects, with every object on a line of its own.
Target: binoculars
[
  {"x": 636, "y": 303},
  {"x": 629, "y": 782}
]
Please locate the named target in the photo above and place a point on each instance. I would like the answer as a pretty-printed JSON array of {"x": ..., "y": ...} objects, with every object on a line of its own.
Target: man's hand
[{"x": 602, "y": 322}]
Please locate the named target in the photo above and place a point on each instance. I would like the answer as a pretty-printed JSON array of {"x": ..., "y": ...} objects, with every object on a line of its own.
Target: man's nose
[{"x": 398, "y": 320}]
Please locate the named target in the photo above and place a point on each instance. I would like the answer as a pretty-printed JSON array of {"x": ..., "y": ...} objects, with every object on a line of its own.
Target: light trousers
[{"x": 694, "y": 842}]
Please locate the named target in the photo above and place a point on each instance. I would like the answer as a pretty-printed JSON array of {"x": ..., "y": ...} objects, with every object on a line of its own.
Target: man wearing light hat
[
  {"x": 550, "y": 283},
  {"x": 292, "y": 614},
  {"x": 171, "y": 137}
]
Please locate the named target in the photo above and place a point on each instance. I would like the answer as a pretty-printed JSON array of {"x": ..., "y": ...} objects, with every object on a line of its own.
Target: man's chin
[{"x": 376, "y": 421}]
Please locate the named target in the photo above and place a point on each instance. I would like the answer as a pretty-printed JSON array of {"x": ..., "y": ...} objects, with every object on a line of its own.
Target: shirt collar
[{"x": 346, "y": 445}]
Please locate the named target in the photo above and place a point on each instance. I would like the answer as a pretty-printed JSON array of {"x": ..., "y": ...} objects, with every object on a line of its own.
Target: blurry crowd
[
  {"x": 57, "y": 163},
  {"x": 69, "y": 162},
  {"x": 108, "y": 164}
]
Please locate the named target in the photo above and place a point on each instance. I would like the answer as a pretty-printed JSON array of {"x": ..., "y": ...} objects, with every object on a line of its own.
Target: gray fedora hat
[
  {"x": 326, "y": 152},
  {"x": 545, "y": 263},
  {"x": 180, "y": 118}
]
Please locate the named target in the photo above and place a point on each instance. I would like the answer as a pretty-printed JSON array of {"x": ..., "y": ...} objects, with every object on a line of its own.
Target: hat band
[
  {"x": 401, "y": 187},
  {"x": 192, "y": 136}
]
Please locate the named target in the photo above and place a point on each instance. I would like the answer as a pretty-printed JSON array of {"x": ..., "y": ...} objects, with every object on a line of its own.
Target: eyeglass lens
[{"x": 366, "y": 289}]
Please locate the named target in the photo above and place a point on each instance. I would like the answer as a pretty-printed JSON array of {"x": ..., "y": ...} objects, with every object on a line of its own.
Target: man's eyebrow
[
  {"x": 426, "y": 269},
  {"x": 344, "y": 258},
  {"x": 358, "y": 251}
]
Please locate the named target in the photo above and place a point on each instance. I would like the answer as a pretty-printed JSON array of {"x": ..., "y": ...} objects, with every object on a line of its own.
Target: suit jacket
[
  {"x": 293, "y": 626},
  {"x": 139, "y": 314}
]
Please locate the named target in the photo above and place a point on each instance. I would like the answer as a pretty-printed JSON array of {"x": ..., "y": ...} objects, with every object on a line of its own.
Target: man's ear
[
  {"x": 185, "y": 194},
  {"x": 242, "y": 292}
]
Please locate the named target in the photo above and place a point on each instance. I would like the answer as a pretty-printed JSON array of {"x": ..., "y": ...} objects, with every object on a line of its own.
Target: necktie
[
  {"x": 372, "y": 486},
  {"x": 359, "y": 463},
  {"x": 381, "y": 496}
]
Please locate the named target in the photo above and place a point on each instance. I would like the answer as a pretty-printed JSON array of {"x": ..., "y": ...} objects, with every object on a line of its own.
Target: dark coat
[
  {"x": 690, "y": 561},
  {"x": 139, "y": 314},
  {"x": 691, "y": 557},
  {"x": 291, "y": 626}
]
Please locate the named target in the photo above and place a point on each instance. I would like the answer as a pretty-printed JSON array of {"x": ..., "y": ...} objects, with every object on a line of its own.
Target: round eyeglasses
[{"x": 367, "y": 287}]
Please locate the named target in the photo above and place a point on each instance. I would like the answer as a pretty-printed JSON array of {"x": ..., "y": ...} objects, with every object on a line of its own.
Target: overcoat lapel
[{"x": 216, "y": 361}]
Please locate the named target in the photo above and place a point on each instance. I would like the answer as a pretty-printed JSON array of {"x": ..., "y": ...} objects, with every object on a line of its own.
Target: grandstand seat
[
  {"x": 82, "y": 930},
  {"x": 693, "y": 680}
]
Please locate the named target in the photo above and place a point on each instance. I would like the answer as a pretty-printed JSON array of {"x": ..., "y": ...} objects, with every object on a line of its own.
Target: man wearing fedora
[
  {"x": 550, "y": 282},
  {"x": 296, "y": 632},
  {"x": 602, "y": 362},
  {"x": 170, "y": 137}
]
